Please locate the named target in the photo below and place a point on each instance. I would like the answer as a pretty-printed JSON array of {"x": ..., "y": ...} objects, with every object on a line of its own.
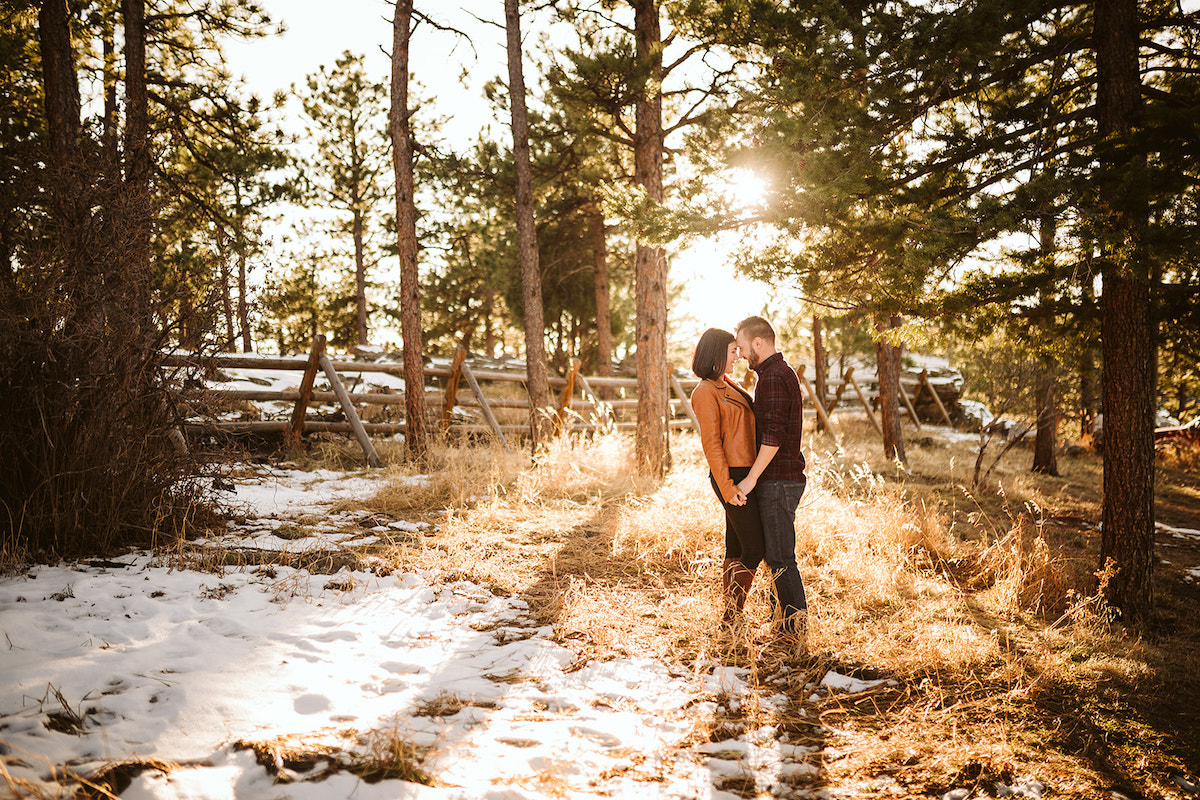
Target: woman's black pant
[{"x": 743, "y": 525}]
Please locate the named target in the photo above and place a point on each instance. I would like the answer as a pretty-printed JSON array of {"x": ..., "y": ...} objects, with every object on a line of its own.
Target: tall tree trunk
[
  {"x": 887, "y": 359},
  {"x": 360, "y": 271},
  {"x": 69, "y": 200},
  {"x": 1127, "y": 323},
  {"x": 820, "y": 364},
  {"x": 650, "y": 265},
  {"x": 240, "y": 246},
  {"x": 223, "y": 257},
  {"x": 399, "y": 126},
  {"x": 489, "y": 328},
  {"x": 531, "y": 277},
  {"x": 1045, "y": 460},
  {"x": 243, "y": 311},
  {"x": 137, "y": 211},
  {"x": 108, "y": 135},
  {"x": 189, "y": 327},
  {"x": 604, "y": 341},
  {"x": 1087, "y": 392}
]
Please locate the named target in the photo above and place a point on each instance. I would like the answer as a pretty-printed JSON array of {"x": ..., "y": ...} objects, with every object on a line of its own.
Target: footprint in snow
[
  {"x": 599, "y": 737},
  {"x": 312, "y": 704},
  {"x": 519, "y": 742},
  {"x": 400, "y": 668}
]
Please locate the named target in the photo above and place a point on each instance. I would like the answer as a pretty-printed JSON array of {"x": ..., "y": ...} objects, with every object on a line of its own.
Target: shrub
[{"x": 92, "y": 457}]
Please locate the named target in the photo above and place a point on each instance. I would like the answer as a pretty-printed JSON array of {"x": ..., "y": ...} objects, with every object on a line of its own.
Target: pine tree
[
  {"x": 349, "y": 169},
  {"x": 400, "y": 129},
  {"x": 1007, "y": 102},
  {"x": 623, "y": 76},
  {"x": 527, "y": 252}
]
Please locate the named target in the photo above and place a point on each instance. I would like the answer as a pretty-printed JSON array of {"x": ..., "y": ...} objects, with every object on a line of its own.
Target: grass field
[{"x": 981, "y": 604}]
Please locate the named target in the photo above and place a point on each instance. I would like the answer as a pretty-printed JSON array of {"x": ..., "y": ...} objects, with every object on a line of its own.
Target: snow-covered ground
[
  {"x": 138, "y": 658},
  {"x": 1191, "y": 574}
]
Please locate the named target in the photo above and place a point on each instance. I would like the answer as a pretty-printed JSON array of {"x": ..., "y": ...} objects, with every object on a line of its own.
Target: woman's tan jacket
[{"x": 727, "y": 433}]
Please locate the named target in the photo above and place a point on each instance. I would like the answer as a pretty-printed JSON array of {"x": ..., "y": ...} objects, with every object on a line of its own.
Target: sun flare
[{"x": 746, "y": 188}]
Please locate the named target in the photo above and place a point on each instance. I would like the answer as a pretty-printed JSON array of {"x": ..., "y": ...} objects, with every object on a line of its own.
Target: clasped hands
[{"x": 743, "y": 491}]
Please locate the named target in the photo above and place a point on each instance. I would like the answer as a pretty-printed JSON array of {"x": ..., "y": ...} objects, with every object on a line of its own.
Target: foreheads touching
[{"x": 756, "y": 338}]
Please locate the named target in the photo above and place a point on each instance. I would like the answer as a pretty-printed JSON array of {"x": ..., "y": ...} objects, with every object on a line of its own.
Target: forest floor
[{"x": 492, "y": 628}]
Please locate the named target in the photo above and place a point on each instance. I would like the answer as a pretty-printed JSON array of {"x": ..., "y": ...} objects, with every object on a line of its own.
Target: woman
[{"x": 726, "y": 416}]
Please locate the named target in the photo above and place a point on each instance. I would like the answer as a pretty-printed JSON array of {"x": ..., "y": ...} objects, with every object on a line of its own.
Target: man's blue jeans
[{"x": 777, "y": 503}]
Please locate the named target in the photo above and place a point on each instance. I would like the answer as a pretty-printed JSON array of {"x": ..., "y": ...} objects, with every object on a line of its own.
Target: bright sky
[{"x": 712, "y": 296}]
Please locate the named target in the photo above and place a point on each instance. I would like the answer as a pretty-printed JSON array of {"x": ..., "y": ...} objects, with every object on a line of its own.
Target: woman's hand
[{"x": 744, "y": 489}]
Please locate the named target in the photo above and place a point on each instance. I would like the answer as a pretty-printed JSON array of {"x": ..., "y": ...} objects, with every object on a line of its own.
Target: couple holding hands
[{"x": 752, "y": 445}]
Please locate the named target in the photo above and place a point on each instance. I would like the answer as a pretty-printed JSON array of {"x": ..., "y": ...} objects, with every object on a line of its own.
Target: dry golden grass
[
  {"x": 373, "y": 756},
  {"x": 1181, "y": 453},
  {"x": 983, "y": 611}
]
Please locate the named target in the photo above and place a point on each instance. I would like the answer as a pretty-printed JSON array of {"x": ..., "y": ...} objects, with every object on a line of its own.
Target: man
[{"x": 778, "y": 470}]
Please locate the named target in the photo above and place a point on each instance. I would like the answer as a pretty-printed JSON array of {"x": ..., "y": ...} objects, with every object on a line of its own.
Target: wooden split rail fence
[{"x": 607, "y": 414}]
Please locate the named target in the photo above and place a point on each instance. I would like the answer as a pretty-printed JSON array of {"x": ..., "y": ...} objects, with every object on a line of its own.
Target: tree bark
[
  {"x": 1087, "y": 392},
  {"x": 69, "y": 201},
  {"x": 416, "y": 439},
  {"x": 1045, "y": 460},
  {"x": 360, "y": 271},
  {"x": 604, "y": 341},
  {"x": 820, "y": 364},
  {"x": 243, "y": 312},
  {"x": 137, "y": 164},
  {"x": 488, "y": 310},
  {"x": 108, "y": 136},
  {"x": 650, "y": 266},
  {"x": 887, "y": 360},
  {"x": 223, "y": 256},
  {"x": 1127, "y": 323},
  {"x": 531, "y": 277}
]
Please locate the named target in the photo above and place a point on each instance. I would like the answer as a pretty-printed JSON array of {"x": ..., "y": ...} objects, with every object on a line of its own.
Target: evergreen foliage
[{"x": 349, "y": 168}]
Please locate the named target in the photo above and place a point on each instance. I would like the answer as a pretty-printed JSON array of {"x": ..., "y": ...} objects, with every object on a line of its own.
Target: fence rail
[{"x": 578, "y": 395}]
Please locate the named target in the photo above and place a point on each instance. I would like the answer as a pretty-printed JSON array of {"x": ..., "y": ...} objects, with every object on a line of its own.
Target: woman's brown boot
[{"x": 733, "y": 610}]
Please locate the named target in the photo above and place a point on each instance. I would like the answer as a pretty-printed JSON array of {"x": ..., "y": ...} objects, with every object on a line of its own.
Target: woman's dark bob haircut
[{"x": 712, "y": 351}]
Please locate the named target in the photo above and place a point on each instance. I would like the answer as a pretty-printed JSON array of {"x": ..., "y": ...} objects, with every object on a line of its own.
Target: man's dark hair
[
  {"x": 756, "y": 328},
  {"x": 712, "y": 351}
]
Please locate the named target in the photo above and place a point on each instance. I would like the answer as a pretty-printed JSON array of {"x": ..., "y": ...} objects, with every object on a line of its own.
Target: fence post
[
  {"x": 866, "y": 406},
  {"x": 564, "y": 399},
  {"x": 604, "y": 415},
  {"x": 460, "y": 354},
  {"x": 687, "y": 403},
  {"x": 912, "y": 412},
  {"x": 292, "y": 438},
  {"x": 483, "y": 404},
  {"x": 837, "y": 397},
  {"x": 824, "y": 417},
  {"x": 356, "y": 425},
  {"x": 925, "y": 382}
]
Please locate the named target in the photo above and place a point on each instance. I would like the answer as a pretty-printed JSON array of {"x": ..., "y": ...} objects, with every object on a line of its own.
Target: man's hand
[
  {"x": 738, "y": 499},
  {"x": 744, "y": 489}
]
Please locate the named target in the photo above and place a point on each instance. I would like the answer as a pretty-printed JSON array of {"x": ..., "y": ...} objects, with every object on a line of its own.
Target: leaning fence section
[{"x": 455, "y": 396}]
